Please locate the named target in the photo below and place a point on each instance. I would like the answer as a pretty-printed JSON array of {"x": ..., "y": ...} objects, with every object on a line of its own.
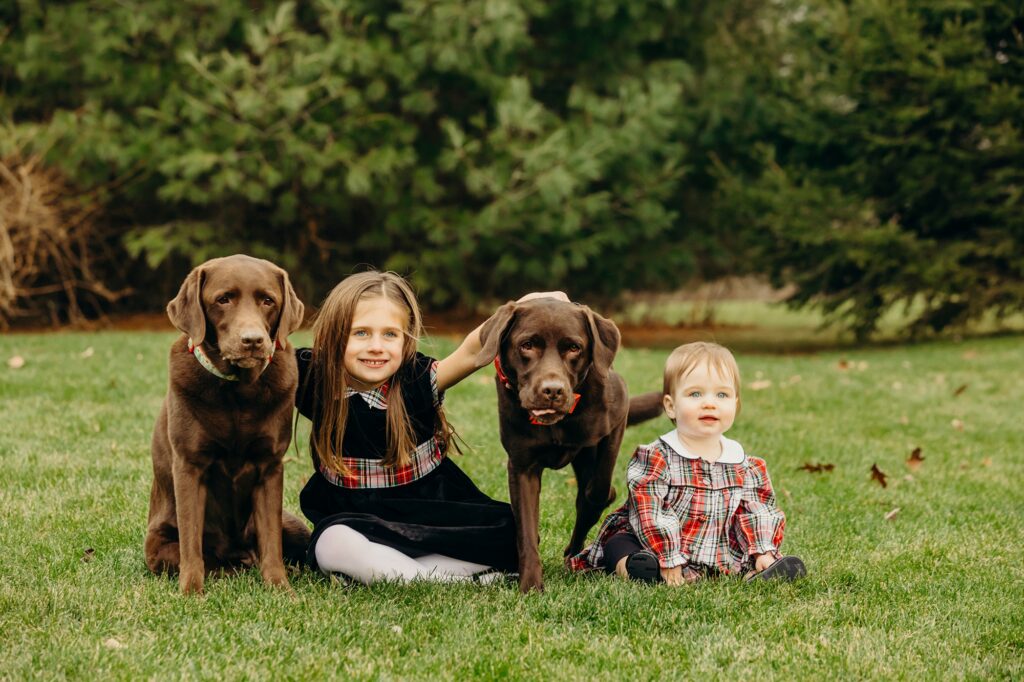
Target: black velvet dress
[{"x": 441, "y": 512}]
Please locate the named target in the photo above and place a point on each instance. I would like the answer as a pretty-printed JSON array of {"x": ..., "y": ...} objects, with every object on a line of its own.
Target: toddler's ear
[{"x": 670, "y": 408}]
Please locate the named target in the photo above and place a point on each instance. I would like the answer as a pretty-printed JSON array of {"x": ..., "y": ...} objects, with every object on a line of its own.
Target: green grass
[{"x": 933, "y": 593}]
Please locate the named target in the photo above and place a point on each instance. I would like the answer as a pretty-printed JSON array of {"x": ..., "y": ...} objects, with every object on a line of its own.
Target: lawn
[{"x": 920, "y": 579}]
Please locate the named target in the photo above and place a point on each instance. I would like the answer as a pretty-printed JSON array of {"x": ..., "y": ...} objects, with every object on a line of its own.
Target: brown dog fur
[
  {"x": 218, "y": 445},
  {"x": 550, "y": 350}
]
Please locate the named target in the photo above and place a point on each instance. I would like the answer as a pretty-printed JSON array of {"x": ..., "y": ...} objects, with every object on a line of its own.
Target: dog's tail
[{"x": 644, "y": 407}]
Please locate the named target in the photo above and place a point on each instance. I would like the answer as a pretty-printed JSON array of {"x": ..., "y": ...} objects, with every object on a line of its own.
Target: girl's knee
[{"x": 336, "y": 541}]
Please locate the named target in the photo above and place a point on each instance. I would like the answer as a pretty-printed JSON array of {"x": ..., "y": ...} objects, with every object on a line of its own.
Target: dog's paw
[
  {"x": 276, "y": 576},
  {"x": 191, "y": 582},
  {"x": 531, "y": 583}
]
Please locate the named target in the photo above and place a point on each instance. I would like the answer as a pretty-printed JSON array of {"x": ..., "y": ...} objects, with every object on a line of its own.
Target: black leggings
[{"x": 619, "y": 545}]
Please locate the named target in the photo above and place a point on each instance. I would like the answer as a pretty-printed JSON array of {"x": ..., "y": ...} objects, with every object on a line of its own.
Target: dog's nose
[
  {"x": 252, "y": 339},
  {"x": 552, "y": 390}
]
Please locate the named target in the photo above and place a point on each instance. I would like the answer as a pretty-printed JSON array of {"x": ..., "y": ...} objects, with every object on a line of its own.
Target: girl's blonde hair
[
  {"x": 330, "y": 336},
  {"x": 685, "y": 358}
]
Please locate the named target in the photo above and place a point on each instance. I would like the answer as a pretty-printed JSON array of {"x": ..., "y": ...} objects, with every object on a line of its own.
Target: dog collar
[
  {"x": 503, "y": 378},
  {"x": 208, "y": 365}
]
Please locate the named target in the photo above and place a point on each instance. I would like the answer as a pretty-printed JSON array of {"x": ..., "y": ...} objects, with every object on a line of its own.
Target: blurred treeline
[{"x": 869, "y": 152}]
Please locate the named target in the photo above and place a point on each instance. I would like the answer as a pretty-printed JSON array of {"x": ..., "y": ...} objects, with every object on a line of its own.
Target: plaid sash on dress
[{"x": 372, "y": 473}]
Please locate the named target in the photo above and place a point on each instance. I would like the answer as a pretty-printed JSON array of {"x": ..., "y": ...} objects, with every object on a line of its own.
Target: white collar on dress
[{"x": 732, "y": 451}]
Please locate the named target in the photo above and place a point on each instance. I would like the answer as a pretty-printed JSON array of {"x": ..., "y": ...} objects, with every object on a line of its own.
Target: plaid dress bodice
[{"x": 365, "y": 443}]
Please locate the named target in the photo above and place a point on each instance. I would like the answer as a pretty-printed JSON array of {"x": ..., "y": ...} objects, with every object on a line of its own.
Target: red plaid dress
[{"x": 690, "y": 512}]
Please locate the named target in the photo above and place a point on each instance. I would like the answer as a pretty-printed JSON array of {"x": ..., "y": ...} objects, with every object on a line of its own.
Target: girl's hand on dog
[{"x": 558, "y": 295}]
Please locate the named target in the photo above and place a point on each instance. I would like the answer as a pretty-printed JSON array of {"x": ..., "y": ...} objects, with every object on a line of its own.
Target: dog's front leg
[
  {"x": 594, "y": 468},
  {"x": 267, "y": 507},
  {"x": 190, "y": 502},
  {"x": 524, "y": 493}
]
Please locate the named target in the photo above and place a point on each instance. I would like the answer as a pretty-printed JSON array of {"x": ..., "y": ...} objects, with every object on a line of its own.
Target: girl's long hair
[{"x": 330, "y": 336}]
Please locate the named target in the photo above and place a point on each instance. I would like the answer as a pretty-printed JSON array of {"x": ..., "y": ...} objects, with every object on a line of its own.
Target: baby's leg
[{"x": 345, "y": 550}]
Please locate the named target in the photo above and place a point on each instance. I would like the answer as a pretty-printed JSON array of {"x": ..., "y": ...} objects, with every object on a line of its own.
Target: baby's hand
[
  {"x": 673, "y": 576},
  {"x": 763, "y": 561},
  {"x": 559, "y": 295}
]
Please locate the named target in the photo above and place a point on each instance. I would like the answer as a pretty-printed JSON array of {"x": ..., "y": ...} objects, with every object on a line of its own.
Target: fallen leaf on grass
[
  {"x": 892, "y": 514},
  {"x": 88, "y": 554},
  {"x": 816, "y": 468},
  {"x": 570, "y": 481},
  {"x": 878, "y": 475},
  {"x": 843, "y": 365},
  {"x": 957, "y": 424},
  {"x": 112, "y": 643},
  {"x": 987, "y": 462},
  {"x": 760, "y": 385},
  {"x": 904, "y": 419},
  {"x": 287, "y": 459},
  {"x": 915, "y": 459},
  {"x": 16, "y": 362},
  {"x": 959, "y": 389},
  {"x": 969, "y": 354},
  {"x": 87, "y": 353}
]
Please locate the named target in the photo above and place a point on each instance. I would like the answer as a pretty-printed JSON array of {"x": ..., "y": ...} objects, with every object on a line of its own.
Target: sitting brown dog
[
  {"x": 558, "y": 402},
  {"x": 216, "y": 501}
]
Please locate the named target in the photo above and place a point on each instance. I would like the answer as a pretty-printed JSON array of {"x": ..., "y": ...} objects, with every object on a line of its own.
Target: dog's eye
[
  {"x": 574, "y": 348},
  {"x": 267, "y": 300},
  {"x": 224, "y": 300},
  {"x": 526, "y": 346}
]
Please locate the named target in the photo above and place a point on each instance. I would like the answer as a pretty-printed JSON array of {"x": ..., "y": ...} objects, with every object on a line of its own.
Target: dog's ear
[
  {"x": 186, "y": 309},
  {"x": 604, "y": 341},
  {"x": 492, "y": 331},
  {"x": 292, "y": 310}
]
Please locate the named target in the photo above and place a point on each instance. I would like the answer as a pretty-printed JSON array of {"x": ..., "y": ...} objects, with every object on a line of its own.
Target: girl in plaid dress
[
  {"x": 698, "y": 505},
  {"x": 385, "y": 500}
]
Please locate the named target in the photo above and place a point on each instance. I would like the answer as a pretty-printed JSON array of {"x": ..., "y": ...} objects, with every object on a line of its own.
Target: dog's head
[
  {"x": 242, "y": 305},
  {"x": 547, "y": 348}
]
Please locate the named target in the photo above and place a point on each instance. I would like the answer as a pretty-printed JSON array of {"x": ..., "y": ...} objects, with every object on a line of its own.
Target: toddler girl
[{"x": 698, "y": 505}]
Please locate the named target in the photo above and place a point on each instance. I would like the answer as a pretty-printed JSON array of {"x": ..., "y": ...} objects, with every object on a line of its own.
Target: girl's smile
[{"x": 373, "y": 350}]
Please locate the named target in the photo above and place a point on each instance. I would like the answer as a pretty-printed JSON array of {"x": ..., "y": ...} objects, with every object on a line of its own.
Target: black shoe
[
  {"x": 784, "y": 568},
  {"x": 643, "y": 566}
]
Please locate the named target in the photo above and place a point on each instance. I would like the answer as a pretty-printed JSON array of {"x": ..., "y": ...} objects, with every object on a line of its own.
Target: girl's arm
[{"x": 462, "y": 362}]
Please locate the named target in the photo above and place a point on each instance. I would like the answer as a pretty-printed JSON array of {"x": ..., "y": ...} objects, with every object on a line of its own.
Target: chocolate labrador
[
  {"x": 559, "y": 402},
  {"x": 216, "y": 500}
]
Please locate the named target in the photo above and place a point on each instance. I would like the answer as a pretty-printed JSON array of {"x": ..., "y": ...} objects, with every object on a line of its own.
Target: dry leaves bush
[{"x": 48, "y": 246}]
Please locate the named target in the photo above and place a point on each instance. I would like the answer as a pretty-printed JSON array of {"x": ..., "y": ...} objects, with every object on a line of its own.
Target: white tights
[{"x": 344, "y": 550}]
